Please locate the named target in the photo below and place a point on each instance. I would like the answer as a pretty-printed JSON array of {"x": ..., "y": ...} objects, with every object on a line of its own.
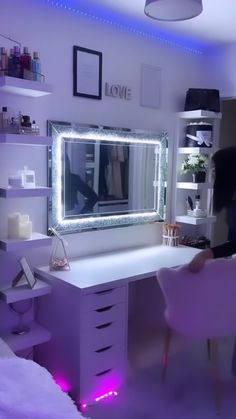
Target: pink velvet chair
[{"x": 202, "y": 306}]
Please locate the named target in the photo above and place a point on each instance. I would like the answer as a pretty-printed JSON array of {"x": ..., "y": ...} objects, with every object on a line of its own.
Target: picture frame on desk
[{"x": 87, "y": 73}]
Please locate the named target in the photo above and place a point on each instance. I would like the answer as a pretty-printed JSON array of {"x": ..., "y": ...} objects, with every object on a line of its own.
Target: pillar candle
[
  {"x": 25, "y": 230},
  {"x": 13, "y": 225}
]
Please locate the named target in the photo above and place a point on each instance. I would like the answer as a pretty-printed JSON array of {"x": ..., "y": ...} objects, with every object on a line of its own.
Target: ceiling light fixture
[{"x": 172, "y": 10}]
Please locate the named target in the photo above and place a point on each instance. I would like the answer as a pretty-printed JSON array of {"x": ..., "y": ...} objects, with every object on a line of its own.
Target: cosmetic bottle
[
  {"x": 16, "y": 62},
  {"x": 28, "y": 177},
  {"x": 4, "y": 61},
  {"x": 4, "y": 119},
  {"x": 26, "y": 64},
  {"x": 10, "y": 71},
  {"x": 197, "y": 211},
  {"x": 36, "y": 67}
]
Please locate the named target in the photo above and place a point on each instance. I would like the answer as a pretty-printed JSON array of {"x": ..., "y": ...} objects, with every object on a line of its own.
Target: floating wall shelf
[
  {"x": 25, "y": 192},
  {"x": 23, "y": 292},
  {"x": 200, "y": 114},
  {"x": 195, "y": 150},
  {"x": 185, "y": 219},
  {"x": 26, "y": 139},
  {"x": 36, "y": 335},
  {"x": 193, "y": 186},
  {"x": 37, "y": 240},
  {"x": 24, "y": 87}
]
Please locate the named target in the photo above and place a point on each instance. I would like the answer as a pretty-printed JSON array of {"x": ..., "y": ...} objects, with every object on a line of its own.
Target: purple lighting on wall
[{"x": 124, "y": 23}]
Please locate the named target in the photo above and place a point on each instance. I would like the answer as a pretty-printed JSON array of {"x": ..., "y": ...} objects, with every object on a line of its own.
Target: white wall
[
  {"x": 220, "y": 66},
  {"x": 53, "y": 32}
]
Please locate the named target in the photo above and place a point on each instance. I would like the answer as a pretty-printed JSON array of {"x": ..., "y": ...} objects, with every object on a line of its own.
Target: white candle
[
  {"x": 13, "y": 225},
  {"x": 25, "y": 229}
]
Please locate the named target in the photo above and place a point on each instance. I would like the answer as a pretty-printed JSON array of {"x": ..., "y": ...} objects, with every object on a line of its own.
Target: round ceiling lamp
[{"x": 173, "y": 10}]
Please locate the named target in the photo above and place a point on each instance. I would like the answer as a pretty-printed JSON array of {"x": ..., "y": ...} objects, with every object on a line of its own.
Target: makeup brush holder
[{"x": 172, "y": 241}]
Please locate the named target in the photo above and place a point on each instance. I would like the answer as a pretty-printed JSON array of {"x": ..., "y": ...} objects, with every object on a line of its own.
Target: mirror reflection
[{"x": 105, "y": 177}]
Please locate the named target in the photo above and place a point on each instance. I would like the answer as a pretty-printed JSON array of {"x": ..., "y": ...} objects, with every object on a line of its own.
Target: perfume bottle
[
  {"x": 10, "y": 70},
  {"x": 4, "y": 61},
  {"x": 36, "y": 67},
  {"x": 16, "y": 62},
  {"x": 25, "y": 63}
]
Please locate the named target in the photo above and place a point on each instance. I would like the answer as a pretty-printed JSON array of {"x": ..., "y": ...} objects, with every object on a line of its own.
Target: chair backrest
[{"x": 201, "y": 305}]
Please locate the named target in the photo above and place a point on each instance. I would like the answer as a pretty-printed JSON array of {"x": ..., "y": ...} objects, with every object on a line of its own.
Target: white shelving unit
[
  {"x": 182, "y": 188},
  {"x": 25, "y": 192},
  {"x": 25, "y": 139},
  {"x": 23, "y": 87},
  {"x": 35, "y": 336},
  {"x": 31, "y": 89}
]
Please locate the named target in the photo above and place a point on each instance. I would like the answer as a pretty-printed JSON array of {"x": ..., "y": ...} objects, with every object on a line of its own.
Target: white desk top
[{"x": 119, "y": 267}]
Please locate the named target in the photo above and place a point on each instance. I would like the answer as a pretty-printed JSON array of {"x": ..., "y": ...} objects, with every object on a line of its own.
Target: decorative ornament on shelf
[
  {"x": 58, "y": 260},
  {"x": 197, "y": 165}
]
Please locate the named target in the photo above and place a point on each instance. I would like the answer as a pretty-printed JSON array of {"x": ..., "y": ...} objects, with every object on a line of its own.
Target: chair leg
[
  {"x": 165, "y": 355},
  {"x": 216, "y": 374}
]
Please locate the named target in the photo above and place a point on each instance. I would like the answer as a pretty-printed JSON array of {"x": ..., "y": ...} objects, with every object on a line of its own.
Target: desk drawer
[
  {"x": 101, "y": 336},
  {"x": 95, "y": 362},
  {"x": 103, "y": 315},
  {"x": 103, "y": 298}
]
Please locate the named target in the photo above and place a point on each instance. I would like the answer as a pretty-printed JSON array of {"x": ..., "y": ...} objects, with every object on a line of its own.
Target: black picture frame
[{"x": 87, "y": 73}]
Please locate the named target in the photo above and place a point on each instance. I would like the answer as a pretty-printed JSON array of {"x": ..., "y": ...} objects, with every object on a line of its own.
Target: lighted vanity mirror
[{"x": 105, "y": 177}]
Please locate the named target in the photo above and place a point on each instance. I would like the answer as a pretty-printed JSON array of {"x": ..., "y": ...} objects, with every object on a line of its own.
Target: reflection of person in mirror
[{"x": 73, "y": 185}]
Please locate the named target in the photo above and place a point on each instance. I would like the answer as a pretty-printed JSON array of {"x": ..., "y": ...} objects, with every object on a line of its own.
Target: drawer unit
[
  {"x": 103, "y": 298},
  {"x": 103, "y": 342}
]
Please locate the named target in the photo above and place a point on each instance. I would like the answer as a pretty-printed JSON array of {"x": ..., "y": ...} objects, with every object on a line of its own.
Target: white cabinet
[
  {"x": 88, "y": 348},
  {"x": 183, "y": 185},
  {"x": 31, "y": 89}
]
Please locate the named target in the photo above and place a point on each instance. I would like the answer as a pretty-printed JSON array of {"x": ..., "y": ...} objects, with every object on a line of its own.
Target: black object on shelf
[
  {"x": 200, "y": 242},
  {"x": 204, "y": 99}
]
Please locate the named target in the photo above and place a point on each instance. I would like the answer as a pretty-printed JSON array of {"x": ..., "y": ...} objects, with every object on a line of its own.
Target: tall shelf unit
[
  {"x": 183, "y": 186},
  {"x": 37, "y": 333}
]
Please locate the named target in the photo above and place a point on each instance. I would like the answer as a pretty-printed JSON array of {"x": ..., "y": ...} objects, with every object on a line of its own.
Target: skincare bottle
[
  {"x": 25, "y": 63},
  {"x": 36, "y": 66},
  {"x": 28, "y": 177},
  {"x": 4, "y": 118},
  {"x": 4, "y": 61},
  {"x": 10, "y": 71},
  {"x": 16, "y": 62},
  {"x": 197, "y": 211}
]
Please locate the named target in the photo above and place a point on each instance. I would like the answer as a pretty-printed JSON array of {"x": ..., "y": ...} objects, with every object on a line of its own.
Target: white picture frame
[
  {"x": 30, "y": 278},
  {"x": 150, "y": 89}
]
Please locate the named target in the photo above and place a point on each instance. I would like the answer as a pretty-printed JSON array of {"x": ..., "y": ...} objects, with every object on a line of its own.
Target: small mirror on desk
[{"x": 105, "y": 177}]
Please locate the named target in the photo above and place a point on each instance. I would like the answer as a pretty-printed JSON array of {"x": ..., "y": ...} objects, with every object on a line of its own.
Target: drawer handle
[
  {"x": 104, "y": 292},
  {"x": 101, "y": 310},
  {"x": 103, "y": 372},
  {"x": 106, "y": 348},
  {"x": 103, "y": 326}
]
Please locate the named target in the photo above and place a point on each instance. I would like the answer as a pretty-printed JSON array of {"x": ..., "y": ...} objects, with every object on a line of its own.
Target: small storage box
[{"x": 198, "y": 134}]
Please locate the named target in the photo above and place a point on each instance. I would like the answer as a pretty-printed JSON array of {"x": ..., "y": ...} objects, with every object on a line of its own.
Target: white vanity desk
[{"x": 87, "y": 314}]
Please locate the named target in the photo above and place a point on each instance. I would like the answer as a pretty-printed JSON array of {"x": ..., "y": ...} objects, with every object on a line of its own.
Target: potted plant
[{"x": 197, "y": 165}]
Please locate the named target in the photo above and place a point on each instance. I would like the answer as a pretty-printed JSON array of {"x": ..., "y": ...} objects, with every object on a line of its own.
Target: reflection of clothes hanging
[
  {"x": 117, "y": 155},
  {"x": 103, "y": 163}
]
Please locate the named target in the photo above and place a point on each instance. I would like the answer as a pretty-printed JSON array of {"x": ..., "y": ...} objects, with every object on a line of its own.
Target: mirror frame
[{"x": 61, "y": 130}]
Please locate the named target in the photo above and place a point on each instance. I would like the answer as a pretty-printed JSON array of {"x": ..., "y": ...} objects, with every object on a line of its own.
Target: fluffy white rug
[{"x": 28, "y": 391}]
